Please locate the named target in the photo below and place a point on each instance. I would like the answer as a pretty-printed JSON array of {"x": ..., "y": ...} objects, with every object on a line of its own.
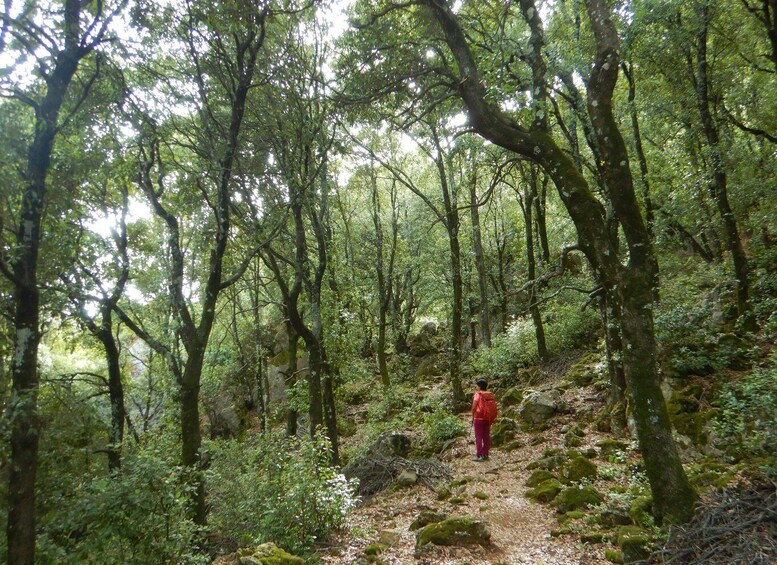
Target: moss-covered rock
[
  {"x": 538, "y": 407},
  {"x": 610, "y": 446},
  {"x": 551, "y": 463},
  {"x": 538, "y": 476},
  {"x": 573, "y": 498},
  {"x": 375, "y": 549},
  {"x": 570, "y": 516},
  {"x": 427, "y": 517},
  {"x": 545, "y": 491},
  {"x": 571, "y": 440},
  {"x": 641, "y": 511},
  {"x": 503, "y": 431},
  {"x": 634, "y": 542},
  {"x": 511, "y": 397},
  {"x": 613, "y": 517},
  {"x": 613, "y": 555},
  {"x": 480, "y": 495},
  {"x": 454, "y": 531},
  {"x": 576, "y": 469},
  {"x": 443, "y": 492},
  {"x": 461, "y": 481},
  {"x": 513, "y": 445},
  {"x": 584, "y": 371},
  {"x": 266, "y": 554},
  {"x": 592, "y": 537}
]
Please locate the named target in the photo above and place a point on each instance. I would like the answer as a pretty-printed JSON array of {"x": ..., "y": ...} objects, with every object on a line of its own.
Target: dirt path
[{"x": 520, "y": 528}]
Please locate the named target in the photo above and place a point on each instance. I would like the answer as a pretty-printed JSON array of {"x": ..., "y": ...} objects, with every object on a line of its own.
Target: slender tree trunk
[
  {"x": 290, "y": 379},
  {"x": 719, "y": 180},
  {"x": 115, "y": 393},
  {"x": 23, "y": 409},
  {"x": 529, "y": 196},
  {"x": 383, "y": 279},
  {"x": 673, "y": 496},
  {"x": 480, "y": 263}
]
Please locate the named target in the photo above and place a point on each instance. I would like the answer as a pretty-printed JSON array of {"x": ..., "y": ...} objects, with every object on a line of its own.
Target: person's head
[{"x": 482, "y": 384}]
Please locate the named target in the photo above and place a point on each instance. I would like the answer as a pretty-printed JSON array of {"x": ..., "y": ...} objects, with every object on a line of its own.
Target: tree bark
[{"x": 529, "y": 197}]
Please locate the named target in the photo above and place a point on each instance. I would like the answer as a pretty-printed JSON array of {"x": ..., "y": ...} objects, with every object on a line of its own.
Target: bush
[
  {"x": 509, "y": 351},
  {"x": 276, "y": 489},
  {"x": 441, "y": 426},
  {"x": 747, "y": 420},
  {"x": 136, "y": 516}
]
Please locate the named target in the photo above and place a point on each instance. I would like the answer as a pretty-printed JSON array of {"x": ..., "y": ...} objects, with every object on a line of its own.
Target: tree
[
  {"x": 59, "y": 51},
  {"x": 630, "y": 286}
]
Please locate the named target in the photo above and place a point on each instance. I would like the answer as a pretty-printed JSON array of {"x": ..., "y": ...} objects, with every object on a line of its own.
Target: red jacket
[{"x": 479, "y": 410}]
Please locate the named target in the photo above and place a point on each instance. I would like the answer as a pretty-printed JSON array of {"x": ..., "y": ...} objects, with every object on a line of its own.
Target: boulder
[
  {"x": 538, "y": 476},
  {"x": 573, "y": 498},
  {"x": 546, "y": 491},
  {"x": 407, "y": 478},
  {"x": 511, "y": 397},
  {"x": 423, "y": 342},
  {"x": 454, "y": 531},
  {"x": 425, "y": 518},
  {"x": 538, "y": 407},
  {"x": 577, "y": 468},
  {"x": 266, "y": 554},
  {"x": 503, "y": 431},
  {"x": 390, "y": 444},
  {"x": 389, "y": 537}
]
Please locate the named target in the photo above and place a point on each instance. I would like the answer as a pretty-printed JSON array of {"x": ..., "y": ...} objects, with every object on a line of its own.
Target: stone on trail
[
  {"x": 265, "y": 554},
  {"x": 538, "y": 407},
  {"x": 460, "y": 530}
]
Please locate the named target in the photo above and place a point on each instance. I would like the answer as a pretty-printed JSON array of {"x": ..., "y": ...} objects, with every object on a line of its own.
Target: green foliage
[
  {"x": 276, "y": 489},
  {"x": 747, "y": 420},
  {"x": 441, "y": 426},
  {"x": 566, "y": 328},
  {"x": 137, "y": 516}
]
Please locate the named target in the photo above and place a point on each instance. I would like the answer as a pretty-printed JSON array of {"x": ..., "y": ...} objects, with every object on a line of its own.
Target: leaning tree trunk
[
  {"x": 529, "y": 196},
  {"x": 673, "y": 496}
]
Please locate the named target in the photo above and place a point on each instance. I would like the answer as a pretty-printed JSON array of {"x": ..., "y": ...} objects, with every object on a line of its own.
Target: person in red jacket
[{"x": 483, "y": 413}]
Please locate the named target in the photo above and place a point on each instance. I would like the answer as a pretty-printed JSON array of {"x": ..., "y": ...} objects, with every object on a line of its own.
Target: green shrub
[
  {"x": 509, "y": 351},
  {"x": 747, "y": 420},
  {"x": 441, "y": 426},
  {"x": 137, "y": 516},
  {"x": 276, "y": 489}
]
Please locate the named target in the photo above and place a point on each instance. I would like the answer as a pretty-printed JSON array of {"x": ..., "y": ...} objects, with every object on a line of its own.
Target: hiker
[{"x": 483, "y": 414}]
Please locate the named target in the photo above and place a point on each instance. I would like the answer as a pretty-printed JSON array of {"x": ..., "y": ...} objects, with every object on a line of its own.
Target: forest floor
[{"x": 494, "y": 493}]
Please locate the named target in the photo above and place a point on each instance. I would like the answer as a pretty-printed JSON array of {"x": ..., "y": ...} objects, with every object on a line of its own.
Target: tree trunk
[
  {"x": 664, "y": 470},
  {"x": 191, "y": 436},
  {"x": 115, "y": 393},
  {"x": 719, "y": 180},
  {"x": 23, "y": 409},
  {"x": 290, "y": 379},
  {"x": 480, "y": 263},
  {"x": 529, "y": 196}
]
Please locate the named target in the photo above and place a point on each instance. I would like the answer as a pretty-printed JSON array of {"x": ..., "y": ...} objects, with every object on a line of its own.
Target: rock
[
  {"x": 585, "y": 370},
  {"x": 266, "y": 554},
  {"x": 425, "y": 518},
  {"x": 538, "y": 476},
  {"x": 592, "y": 537},
  {"x": 375, "y": 549},
  {"x": 613, "y": 555},
  {"x": 634, "y": 543},
  {"x": 454, "y": 531},
  {"x": 538, "y": 407},
  {"x": 641, "y": 511},
  {"x": 609, "y": 447},
  {"x": 389, "y": 537},
  {"x": 428, "y": 367},
  {"x": 423, "y": 342},
  {"x": 546, "y": 491},
  {"x": 390, "y": 444},
  {"x": 548, "y": 463},
  {"x": 576, "y": 469},
  {"x": 407, "y": 478},
  {"x": 613, "y": 517},
  {"x": 573, "y": 498},
  {"x": 511, "y": 397},
  {"x": 503, "y": 431}
]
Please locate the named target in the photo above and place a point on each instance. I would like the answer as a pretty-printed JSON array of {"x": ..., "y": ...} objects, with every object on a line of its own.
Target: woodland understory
[{"x": 254, "y": 254}]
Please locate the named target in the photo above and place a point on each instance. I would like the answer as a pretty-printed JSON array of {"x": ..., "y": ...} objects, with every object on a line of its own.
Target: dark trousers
[{"x": 482, "y": 437}]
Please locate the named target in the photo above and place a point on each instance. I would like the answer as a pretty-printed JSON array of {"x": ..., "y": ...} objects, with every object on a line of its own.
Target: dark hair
[{"x": 482, "y": 383}]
